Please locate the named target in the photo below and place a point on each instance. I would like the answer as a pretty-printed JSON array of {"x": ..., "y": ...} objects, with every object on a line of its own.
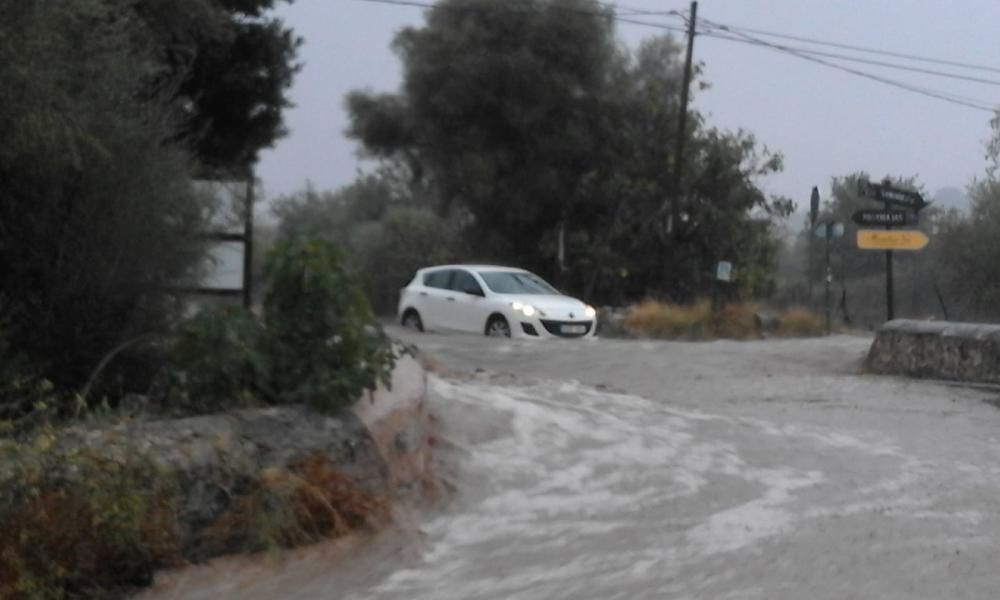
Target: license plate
[{"x": 574, "y": 329}]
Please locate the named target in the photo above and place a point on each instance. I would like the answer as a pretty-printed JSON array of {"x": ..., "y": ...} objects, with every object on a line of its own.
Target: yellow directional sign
[{"x": 897, "y": 239}]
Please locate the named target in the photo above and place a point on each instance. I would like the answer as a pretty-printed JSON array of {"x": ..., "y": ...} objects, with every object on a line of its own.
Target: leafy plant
[
  {"x": 220, "y": 361},
  {"x": 326, "y": 344},
  {"x": 102, "y": 525}
]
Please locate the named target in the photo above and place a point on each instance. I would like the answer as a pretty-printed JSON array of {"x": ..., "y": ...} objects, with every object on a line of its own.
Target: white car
[{"x": 495, "y": 301}]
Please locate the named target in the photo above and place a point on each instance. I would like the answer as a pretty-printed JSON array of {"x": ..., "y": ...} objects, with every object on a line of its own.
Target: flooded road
[{"x": 609, "y": 469}]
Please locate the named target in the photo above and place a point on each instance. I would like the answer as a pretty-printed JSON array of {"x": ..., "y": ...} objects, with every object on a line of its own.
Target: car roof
[{"x": 475, "y": 267}]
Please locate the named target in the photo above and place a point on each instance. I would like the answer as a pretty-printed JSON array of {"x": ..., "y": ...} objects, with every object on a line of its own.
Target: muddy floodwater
[{"x": 612, "y": 469}]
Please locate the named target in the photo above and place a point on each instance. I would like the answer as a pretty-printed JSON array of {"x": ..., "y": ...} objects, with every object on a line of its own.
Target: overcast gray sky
[{"x": 825, "y": 122}]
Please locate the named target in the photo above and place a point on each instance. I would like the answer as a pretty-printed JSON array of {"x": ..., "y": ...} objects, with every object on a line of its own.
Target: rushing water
[{"x": 859, "y": 487}]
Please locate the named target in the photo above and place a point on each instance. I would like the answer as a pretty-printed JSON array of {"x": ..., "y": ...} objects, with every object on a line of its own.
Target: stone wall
[
  {"x": 383, "y": 443},
  {"x": 937, "y": 350}
]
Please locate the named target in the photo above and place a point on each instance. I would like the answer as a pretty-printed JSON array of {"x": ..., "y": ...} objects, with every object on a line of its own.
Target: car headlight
[
  {"x": 590, "y": 311},
  {"x": 525, "y": 309}
]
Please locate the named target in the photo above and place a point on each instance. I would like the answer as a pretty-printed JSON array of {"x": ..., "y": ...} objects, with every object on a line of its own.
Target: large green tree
[
  {"x": 227, "y": 65},
  {"x": 557, "y": 142},
  {"x": 97, "y": 213},
  {"x": 497, "y": 108},
  {"x": 966, "y": 248}
]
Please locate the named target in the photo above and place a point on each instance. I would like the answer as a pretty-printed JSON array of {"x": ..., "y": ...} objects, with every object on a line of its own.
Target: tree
[
  {"x": 558, "y": 143},
  {"x": 382, "y": 226},
  {"x": 228, "y": 67},
  {"x": 96, "y": 209},
  {"x": 496, "y": 108}
]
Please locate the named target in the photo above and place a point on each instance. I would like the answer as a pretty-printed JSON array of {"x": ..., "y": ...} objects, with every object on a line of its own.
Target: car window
[
  {"x": 516, "y": 282},
  {"x": 464, "y": 281},
  {"x": 438, "y": 279}
]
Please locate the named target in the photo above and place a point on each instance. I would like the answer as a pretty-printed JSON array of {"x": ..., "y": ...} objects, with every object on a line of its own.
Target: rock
[
  {"x": 940, "y": 349},
  {"x": 611, "y": 322},
  {"x": 766, "y": 322}
]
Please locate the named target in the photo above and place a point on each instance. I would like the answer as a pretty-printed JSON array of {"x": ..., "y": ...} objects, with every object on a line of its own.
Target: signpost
[
  {"x": 829, "y": 230},
  {"x": 895, "y": 196},
  {"x": 874, "y": 239},
  {"x": 874, "y": 218},
  {"x": 889, "y": 240},
  {"x": 813, "y": 215}
]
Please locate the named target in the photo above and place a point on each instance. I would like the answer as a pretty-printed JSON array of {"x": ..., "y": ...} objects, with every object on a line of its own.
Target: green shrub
[
  {"x": 318, "y": 342},
  {"x": 220, "y": 360},
  {"x": 327, "y": 346}
]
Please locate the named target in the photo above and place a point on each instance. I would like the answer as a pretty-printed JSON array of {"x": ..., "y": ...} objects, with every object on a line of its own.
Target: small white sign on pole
[{"x": 724, "y": 271}]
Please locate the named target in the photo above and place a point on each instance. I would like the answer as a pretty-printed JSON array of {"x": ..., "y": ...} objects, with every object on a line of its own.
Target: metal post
[
  {"x": 248, "y": 245},
  {"x": 813, "y": 213},
  {"x": 829, "y": 274},
  {"x": 889, "y": 301}
]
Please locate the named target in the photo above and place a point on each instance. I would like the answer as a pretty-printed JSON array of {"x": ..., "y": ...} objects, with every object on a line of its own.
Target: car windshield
[{"x": 516, "y": 282}]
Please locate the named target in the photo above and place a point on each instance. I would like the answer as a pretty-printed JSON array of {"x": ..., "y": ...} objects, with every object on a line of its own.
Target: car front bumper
[{"x": 552, "y": 328}]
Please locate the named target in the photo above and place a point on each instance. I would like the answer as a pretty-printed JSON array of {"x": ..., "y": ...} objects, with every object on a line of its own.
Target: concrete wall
[{"x": 938, "y": 350}]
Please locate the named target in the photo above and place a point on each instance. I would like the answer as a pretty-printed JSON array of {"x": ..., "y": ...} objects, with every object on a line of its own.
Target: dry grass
[
  {"x": 651, "y": 318},
  {"x": 697, "y": 321},
  {"x": 291, "y": 507},
  {"x": 107, "y": 529},
  {"x": 801, "y": 322},
  {"x": 735, "y": 321}
]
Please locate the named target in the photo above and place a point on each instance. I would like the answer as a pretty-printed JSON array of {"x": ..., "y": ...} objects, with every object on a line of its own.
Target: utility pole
[
  {"x": 248, "y": 242},
  {"x": 890, "y": 304},
  {"x": 675, "y": 209},
  {"x": 828, "y": 278},
  {"x": 813, "y": 215}
]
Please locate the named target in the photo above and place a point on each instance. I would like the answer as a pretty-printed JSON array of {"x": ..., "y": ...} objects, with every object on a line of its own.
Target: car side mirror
[{"x": 474, "y": 292}]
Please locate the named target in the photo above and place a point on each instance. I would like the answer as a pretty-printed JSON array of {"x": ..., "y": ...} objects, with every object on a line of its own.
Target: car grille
[{"x": 555, "y": 327}]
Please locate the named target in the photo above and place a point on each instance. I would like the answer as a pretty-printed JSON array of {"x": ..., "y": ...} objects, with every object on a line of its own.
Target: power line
[
  {"x": 793, "y": 49},
  {"x": 884, "y": 80},
  {"x": 614, "y": 15},
  {"x": 843, "y": 46},
  {"x": 736, "y": 34}
]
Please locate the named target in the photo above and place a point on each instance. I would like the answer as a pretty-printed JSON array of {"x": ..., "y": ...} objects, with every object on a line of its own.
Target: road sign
[
  {"x": 883, "y": 217},
  {"x": 898, "y": 239},
  {"x": 829, "y": 230},
  {"x": 884, "y": 193},
  {"x": 724, "y": 270}
]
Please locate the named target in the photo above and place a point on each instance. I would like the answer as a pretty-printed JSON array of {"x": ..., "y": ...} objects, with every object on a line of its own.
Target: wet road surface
[{"x": 611, "y": 469}]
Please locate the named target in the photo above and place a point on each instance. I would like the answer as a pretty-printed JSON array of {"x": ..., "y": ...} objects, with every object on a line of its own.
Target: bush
[
  {"x": 800, "y": 322},
  {"x": 83, "y": 524},
  {"x": 220, "y": 361},
  {"x": 669, "y": 321},
  {"x": 390, "y": 250},
  {"x": 327, "y": 346},
  {"x": 96, "y": 212},
  {"x": 318, "y": 342},
  {"x": 105, "y": 526},
  {"x": 734, "y": 321},
  {"x": 698, "y": 321}
]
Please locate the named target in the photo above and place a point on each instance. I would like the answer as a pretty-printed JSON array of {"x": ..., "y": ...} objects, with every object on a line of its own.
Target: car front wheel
[
  {"x": 498, "y": 326},
  {"x": 411, "y": 320}
]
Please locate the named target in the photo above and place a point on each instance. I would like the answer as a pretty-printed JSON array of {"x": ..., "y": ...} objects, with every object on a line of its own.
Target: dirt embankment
[{"x": 185, "y": 490}]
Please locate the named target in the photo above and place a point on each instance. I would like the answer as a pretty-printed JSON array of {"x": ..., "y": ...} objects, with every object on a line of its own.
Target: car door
[
  {"x": 468, "y": 307},
  {"x": 434, "y": 298}
]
